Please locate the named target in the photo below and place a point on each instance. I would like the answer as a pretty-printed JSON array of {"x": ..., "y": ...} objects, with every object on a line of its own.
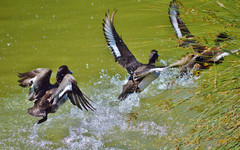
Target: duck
[
  {"x": 140, "y": 75},
  {"x": 202, "y": 57},
  {"x": 49, "y": 97}
]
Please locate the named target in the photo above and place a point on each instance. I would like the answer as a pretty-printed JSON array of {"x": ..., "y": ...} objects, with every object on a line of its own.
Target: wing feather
[
  {"x": 69, "y": 87},
  {"x": 180, "y": 28},
  {"x": 120, "y": 51},
  {"x": 38, "y": 79},
  {"x": 144, "y": 71}
]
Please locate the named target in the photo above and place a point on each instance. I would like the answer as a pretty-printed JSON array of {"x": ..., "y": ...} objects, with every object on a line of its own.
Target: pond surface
[{"x": 47, "y": 34}]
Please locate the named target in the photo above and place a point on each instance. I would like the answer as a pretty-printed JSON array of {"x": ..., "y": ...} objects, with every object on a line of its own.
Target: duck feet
[{"x": 42, "y": 120}]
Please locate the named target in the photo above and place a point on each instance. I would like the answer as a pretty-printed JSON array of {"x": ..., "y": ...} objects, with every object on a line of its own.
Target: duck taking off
[
  {"x": 141, "y": 75},
  {"x": 203, "y": 57},
  {"x": 49, "y": 97}
]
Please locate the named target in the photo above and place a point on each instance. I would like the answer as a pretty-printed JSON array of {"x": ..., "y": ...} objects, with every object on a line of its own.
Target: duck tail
[{"x": 34, "y": 111}]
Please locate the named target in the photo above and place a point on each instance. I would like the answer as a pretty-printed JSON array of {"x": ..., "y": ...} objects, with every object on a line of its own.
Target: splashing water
[
  {"x": 109, "y": 123},
  {"x": 110, "y": 118}
]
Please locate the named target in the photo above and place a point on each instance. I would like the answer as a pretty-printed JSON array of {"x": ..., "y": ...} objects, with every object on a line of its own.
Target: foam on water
[
  {"x": 93, "y": 130},
  {"x": 110, "y": 118},
  {"x": 109, "y": 115}
]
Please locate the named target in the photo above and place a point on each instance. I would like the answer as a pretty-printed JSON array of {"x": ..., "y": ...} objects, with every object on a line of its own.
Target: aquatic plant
[{"x": 217, "y": 97}]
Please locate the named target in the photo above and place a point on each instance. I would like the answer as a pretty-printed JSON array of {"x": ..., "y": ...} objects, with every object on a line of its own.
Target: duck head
[
  {"x": 62, "y": 71},
  {"x": 153, "y": 56}
]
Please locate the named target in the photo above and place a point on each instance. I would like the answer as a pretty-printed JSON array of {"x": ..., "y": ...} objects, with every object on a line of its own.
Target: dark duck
[
  {"x": 49, "y": 97},
  {"x": 203, "y": 57},
  {"x": 141, "y": 75}
]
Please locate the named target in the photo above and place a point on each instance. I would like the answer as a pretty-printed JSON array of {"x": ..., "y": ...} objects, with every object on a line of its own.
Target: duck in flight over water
[
  {"x": 141, "y": 75},
  {"x": 203, "y": 57},
  {"x": 49, "y": 97}
]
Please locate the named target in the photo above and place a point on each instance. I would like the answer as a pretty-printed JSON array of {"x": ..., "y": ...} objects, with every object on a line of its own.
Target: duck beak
[
  {"x": 70, "y": 72},
  {"x": 158, "y": 57}
]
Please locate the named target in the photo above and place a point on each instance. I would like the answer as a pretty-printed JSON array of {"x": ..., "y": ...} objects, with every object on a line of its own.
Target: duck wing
[
  {"x": 144, "y": 71},
  {"x": 181, "y": 29},
  {"x": 68, "y": 87},
  {"x": 183, "y": 61},
  {"x": 120, "y": 51},
  {"x": 38, "y": 79}
]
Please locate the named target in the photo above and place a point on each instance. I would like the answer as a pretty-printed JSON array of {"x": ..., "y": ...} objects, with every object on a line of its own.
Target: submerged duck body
[
  {"x": 49, "y": 97},
  {"x": 141, "y": 75}
]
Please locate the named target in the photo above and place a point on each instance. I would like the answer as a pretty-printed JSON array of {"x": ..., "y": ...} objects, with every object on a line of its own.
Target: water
[
  {"x": 114, "y": 124},
  {"x": 48, "y": 34}
]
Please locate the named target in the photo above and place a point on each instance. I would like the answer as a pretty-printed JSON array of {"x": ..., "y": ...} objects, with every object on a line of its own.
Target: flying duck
[
  {"x": 49, "y": 97},
  {"x": 141, "y": 75},
  {"x": 203, "y": 57}
]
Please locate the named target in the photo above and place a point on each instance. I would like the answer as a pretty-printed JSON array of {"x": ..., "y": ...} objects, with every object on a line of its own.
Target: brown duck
[
  {"x": 49, "y": 97},
  {"x": 203, "y": 57},
  {"x": 141, "y": 75}
]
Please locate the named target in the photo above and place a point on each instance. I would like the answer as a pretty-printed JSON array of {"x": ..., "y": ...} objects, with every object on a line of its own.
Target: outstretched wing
[
  {"x": 181, "y": 29},
  {"x": 38, "y": 79},
  {"x": 183, "y": 61},
  {"x": 69, "y": 87},
  {"x": 145, "y": 70},
  {"x": 120, "y": 51}
]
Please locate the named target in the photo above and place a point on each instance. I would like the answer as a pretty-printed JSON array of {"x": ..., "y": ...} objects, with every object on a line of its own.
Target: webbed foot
[{"x": 42, "y": 120}]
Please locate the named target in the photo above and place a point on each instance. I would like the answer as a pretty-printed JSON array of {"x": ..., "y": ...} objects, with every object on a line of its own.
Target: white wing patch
[
  {"x": 33, "y": 80},
  {"x": 151, "y": 71},
  {"x": 173, "y": 13},
  {"x": 221, "y": 56},
  {"x": 67, "y": 88},
  {"x": 110, "y": 38},
  {"x": 173, "y": 16},
  {"x": 157, "y": 69},
  {"x": 225, "y": 54}
]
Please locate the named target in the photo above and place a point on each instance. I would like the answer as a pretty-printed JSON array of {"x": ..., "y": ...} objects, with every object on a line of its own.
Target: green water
[{"x": 47, "y": 34}]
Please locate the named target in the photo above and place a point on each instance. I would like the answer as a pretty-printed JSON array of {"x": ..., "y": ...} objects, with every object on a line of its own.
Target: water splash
[
  {"x": 111, "y": 116},
  {"x": 94, "y": 130}
]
